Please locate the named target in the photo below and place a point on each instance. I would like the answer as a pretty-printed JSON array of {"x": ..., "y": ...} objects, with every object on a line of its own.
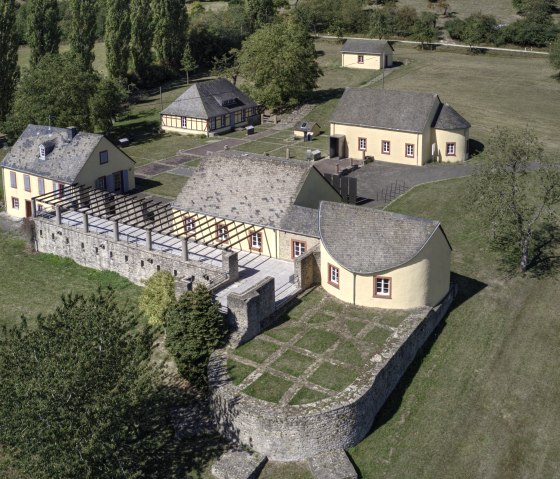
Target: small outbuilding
[
  {"x": 367, "y": 54},
  {"x": 304, "y": 127}
]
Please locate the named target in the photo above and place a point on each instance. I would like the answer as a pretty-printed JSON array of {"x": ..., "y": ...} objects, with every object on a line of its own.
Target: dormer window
[
  {"x": 42, "y": 153},
  {"x": 45, "y": 149}
]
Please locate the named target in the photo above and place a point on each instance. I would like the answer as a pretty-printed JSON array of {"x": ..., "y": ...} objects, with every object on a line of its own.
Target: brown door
[{"x": 27, "y": 209}]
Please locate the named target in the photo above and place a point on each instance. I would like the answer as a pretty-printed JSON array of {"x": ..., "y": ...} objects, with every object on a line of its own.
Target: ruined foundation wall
[{"x": 291, "y": 433}]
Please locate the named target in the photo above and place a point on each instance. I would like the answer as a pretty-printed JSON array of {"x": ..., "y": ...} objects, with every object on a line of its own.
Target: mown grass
[
  {"x": 317, "y": 340},
  {"x": 164, "y": 184},
  {"x": 333, "y": 377},
  {"x": 268, "y": 388},
  {"x": 238, "y": 371},
  {"x": 292, "y": 363},
  {"x": 256, "y": 350},
  {"x": 306, "y": 396},
  {"x": 33, "y": 283}
]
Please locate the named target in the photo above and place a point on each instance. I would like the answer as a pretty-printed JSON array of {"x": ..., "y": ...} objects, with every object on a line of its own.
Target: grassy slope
[
  {"x": 488, "y": 90},
  {"x": 483, "y": 401},
  {"x": 33, "y": 283}
]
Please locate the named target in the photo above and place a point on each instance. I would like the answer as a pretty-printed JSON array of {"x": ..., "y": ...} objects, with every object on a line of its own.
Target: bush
[
  {"x": 530, "y": 33},
  {"x": 195, "y": 328},
  {"x": 157, "y": 296}
]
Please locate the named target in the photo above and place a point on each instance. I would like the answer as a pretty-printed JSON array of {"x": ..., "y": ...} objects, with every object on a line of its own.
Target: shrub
[
  {"x": 195, "y": 328},
  {"x": 157, "y": 296}
]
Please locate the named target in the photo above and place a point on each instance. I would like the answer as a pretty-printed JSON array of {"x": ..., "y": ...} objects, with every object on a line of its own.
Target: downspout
[
  {"x": 277, "y": 244},
  {"x": 417, "y": 149}
]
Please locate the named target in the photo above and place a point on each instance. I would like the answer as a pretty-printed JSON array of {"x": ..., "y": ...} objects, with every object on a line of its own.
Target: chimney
[{"x": 72, "y": 132}]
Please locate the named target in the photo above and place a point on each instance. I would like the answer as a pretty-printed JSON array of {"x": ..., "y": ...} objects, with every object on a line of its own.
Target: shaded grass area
[
  {"x": 292, "y": 470},
  {"x": 33, "y": 282},
  {"x": 238, "y": 371},
  {"x": 333, "y": 377},
  {"x": 164, "y": 184},
  {"x": 306, "y": 395},
  {"x": 256, "y": 350}
]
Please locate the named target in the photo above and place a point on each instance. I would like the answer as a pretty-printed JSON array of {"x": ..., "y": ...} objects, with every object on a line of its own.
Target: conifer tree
[
  {"x": 117, "y": 37},
  {"x": 83, "y": 25},
  {"x": 170, "y": 31},
  {"x": 140, "y": 36},
  {"x": 9, "y": 72},
  {"x": 43, "y": 33}
]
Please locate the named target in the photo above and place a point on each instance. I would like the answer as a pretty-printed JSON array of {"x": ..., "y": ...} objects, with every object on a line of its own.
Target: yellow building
[
  {"x": 46, "y": 159},
  {"x": 379, "y": 259},
  {"x": 255, "y": 203},
  {"x": 397, "y": 126},
  {"x": 210, "y": 108},
  {"x": 306, "y": 128},
  {"x": 367, "y": 54}
]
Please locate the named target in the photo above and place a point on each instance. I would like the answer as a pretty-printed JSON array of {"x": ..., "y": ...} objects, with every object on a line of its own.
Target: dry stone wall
[
  {"x": 293, "y": 433},
  {"x": 131, "y": 261}
]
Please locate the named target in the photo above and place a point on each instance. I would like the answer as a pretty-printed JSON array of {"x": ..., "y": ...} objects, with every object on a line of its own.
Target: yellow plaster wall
[
  {"x": 118, "y": 161},
  {"x": 371, "y": 62},
  {"x": 20, "y": 192},
  {"x": 374, "y": 137},
  {"x": 205, "y": 231},
  {"x": 422, "y": 281},
  {"x": 316, "y": 130},
  {"x": 172, "y": 124},
  {"x": 459, "y": 137}
]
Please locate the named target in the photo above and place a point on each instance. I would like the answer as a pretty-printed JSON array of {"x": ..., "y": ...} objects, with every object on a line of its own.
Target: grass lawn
[
  {"x": 487, "y": 89},
  {"x": 268, "y": 388},
  {"x": 33, "y": 282},
  {"x": 164, "y": 184}
]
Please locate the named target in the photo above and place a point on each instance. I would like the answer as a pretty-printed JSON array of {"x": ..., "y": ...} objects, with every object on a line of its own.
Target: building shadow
[{"x": 475, "y": 147}]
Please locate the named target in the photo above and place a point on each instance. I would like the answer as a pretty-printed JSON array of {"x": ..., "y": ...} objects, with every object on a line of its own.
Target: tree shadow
[
  {"x": 137, "y": 133},
  {"x": 545, "y": 260},
  {"x": 467, "y": 288},
  {"x": 321, "y": 96}
]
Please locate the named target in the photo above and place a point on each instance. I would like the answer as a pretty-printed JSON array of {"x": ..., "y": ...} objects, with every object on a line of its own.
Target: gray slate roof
[
  {"x": 374, "y": 47},
  {"x": 308, "y": 125},
  {"x": 448, "y": 119},
  {"x": 250, "y": 188},
  {"x": 387, "y": 109},
  {"x": 204, "y": 100},
  {"x": 63, "y": 163},
  {"x": 368, "y": 241}
]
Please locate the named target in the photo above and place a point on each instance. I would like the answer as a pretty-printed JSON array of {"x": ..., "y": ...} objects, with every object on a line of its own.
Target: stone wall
[
  {"x": 247, "y": 311},
  {"x": 307, "y": 268},
  {"x": 129, "y": 260},
  {"x": 292, "y": 433}
]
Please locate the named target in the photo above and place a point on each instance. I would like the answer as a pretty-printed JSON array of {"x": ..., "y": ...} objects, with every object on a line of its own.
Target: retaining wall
[
  {"x": 131, "y": 261},
  {"x": 307, "y": 268},
  {"x": 293, "y": 433}
]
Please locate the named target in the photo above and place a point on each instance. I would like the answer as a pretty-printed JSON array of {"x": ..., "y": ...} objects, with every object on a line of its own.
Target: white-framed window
[
  {"x": 15, "y": 203},
  {"x": 450, "y": 149},
  {"x": 409, "y": 150},
  {"x": 13, "y": 179},
  {"x": 334, "y": 276},
  {"x": 26, "y": 183},
  {"x": 382, "y": 287},
  {"x": 183, "y": 122},
  {"x": 256, "y": 241},
  {"x": 362, "y": 144},
  {"x": 360, "y": 59},
  {"x": 221, "y": 232},
  {"x": 385, "y": 147},
  {"x": 41, "y": 185},
  {"x": 103, "y": 157},
  {"x": 298, "y": 248},
  {"x": 190, "y": 224}
]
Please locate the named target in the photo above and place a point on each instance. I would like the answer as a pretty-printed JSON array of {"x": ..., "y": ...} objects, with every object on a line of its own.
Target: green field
[
  {"x": 33, "y": 283},
  {"x": 483, "y": 400}
]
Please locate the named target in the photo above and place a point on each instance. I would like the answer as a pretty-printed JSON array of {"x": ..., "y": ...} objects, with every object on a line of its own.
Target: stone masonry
[{"x": 294, "y": 433}]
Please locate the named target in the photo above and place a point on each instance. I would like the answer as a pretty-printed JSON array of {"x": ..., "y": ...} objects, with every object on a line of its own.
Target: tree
[
  {"x": 106, "y": 103},
  {"x": 117, "y": 37},
  {"x": 227, "y": 66},
  {"x": 140, "y": 37},
  {"x": 188, "y": 63},
  {"x": 424, "y": 30},
  {"x": 169, "y": 30},
  {"x": 259, "y": 13},
  {"x": 43, "y": 34},
  {"x": 9, "y": 71},
  {"x": 279, "y": 62},
  {"x": 58, "y": 90},
  {"x": 195, "y": 328},
  {"x": 157, "y": 296},
  {"x": 79, "y": 395},
  {"x": 83, "y": 27},
  {"x": 479, "y": 28},
  {"x": 554, "y": 53},
  {"x": 515, "y": 202}
]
